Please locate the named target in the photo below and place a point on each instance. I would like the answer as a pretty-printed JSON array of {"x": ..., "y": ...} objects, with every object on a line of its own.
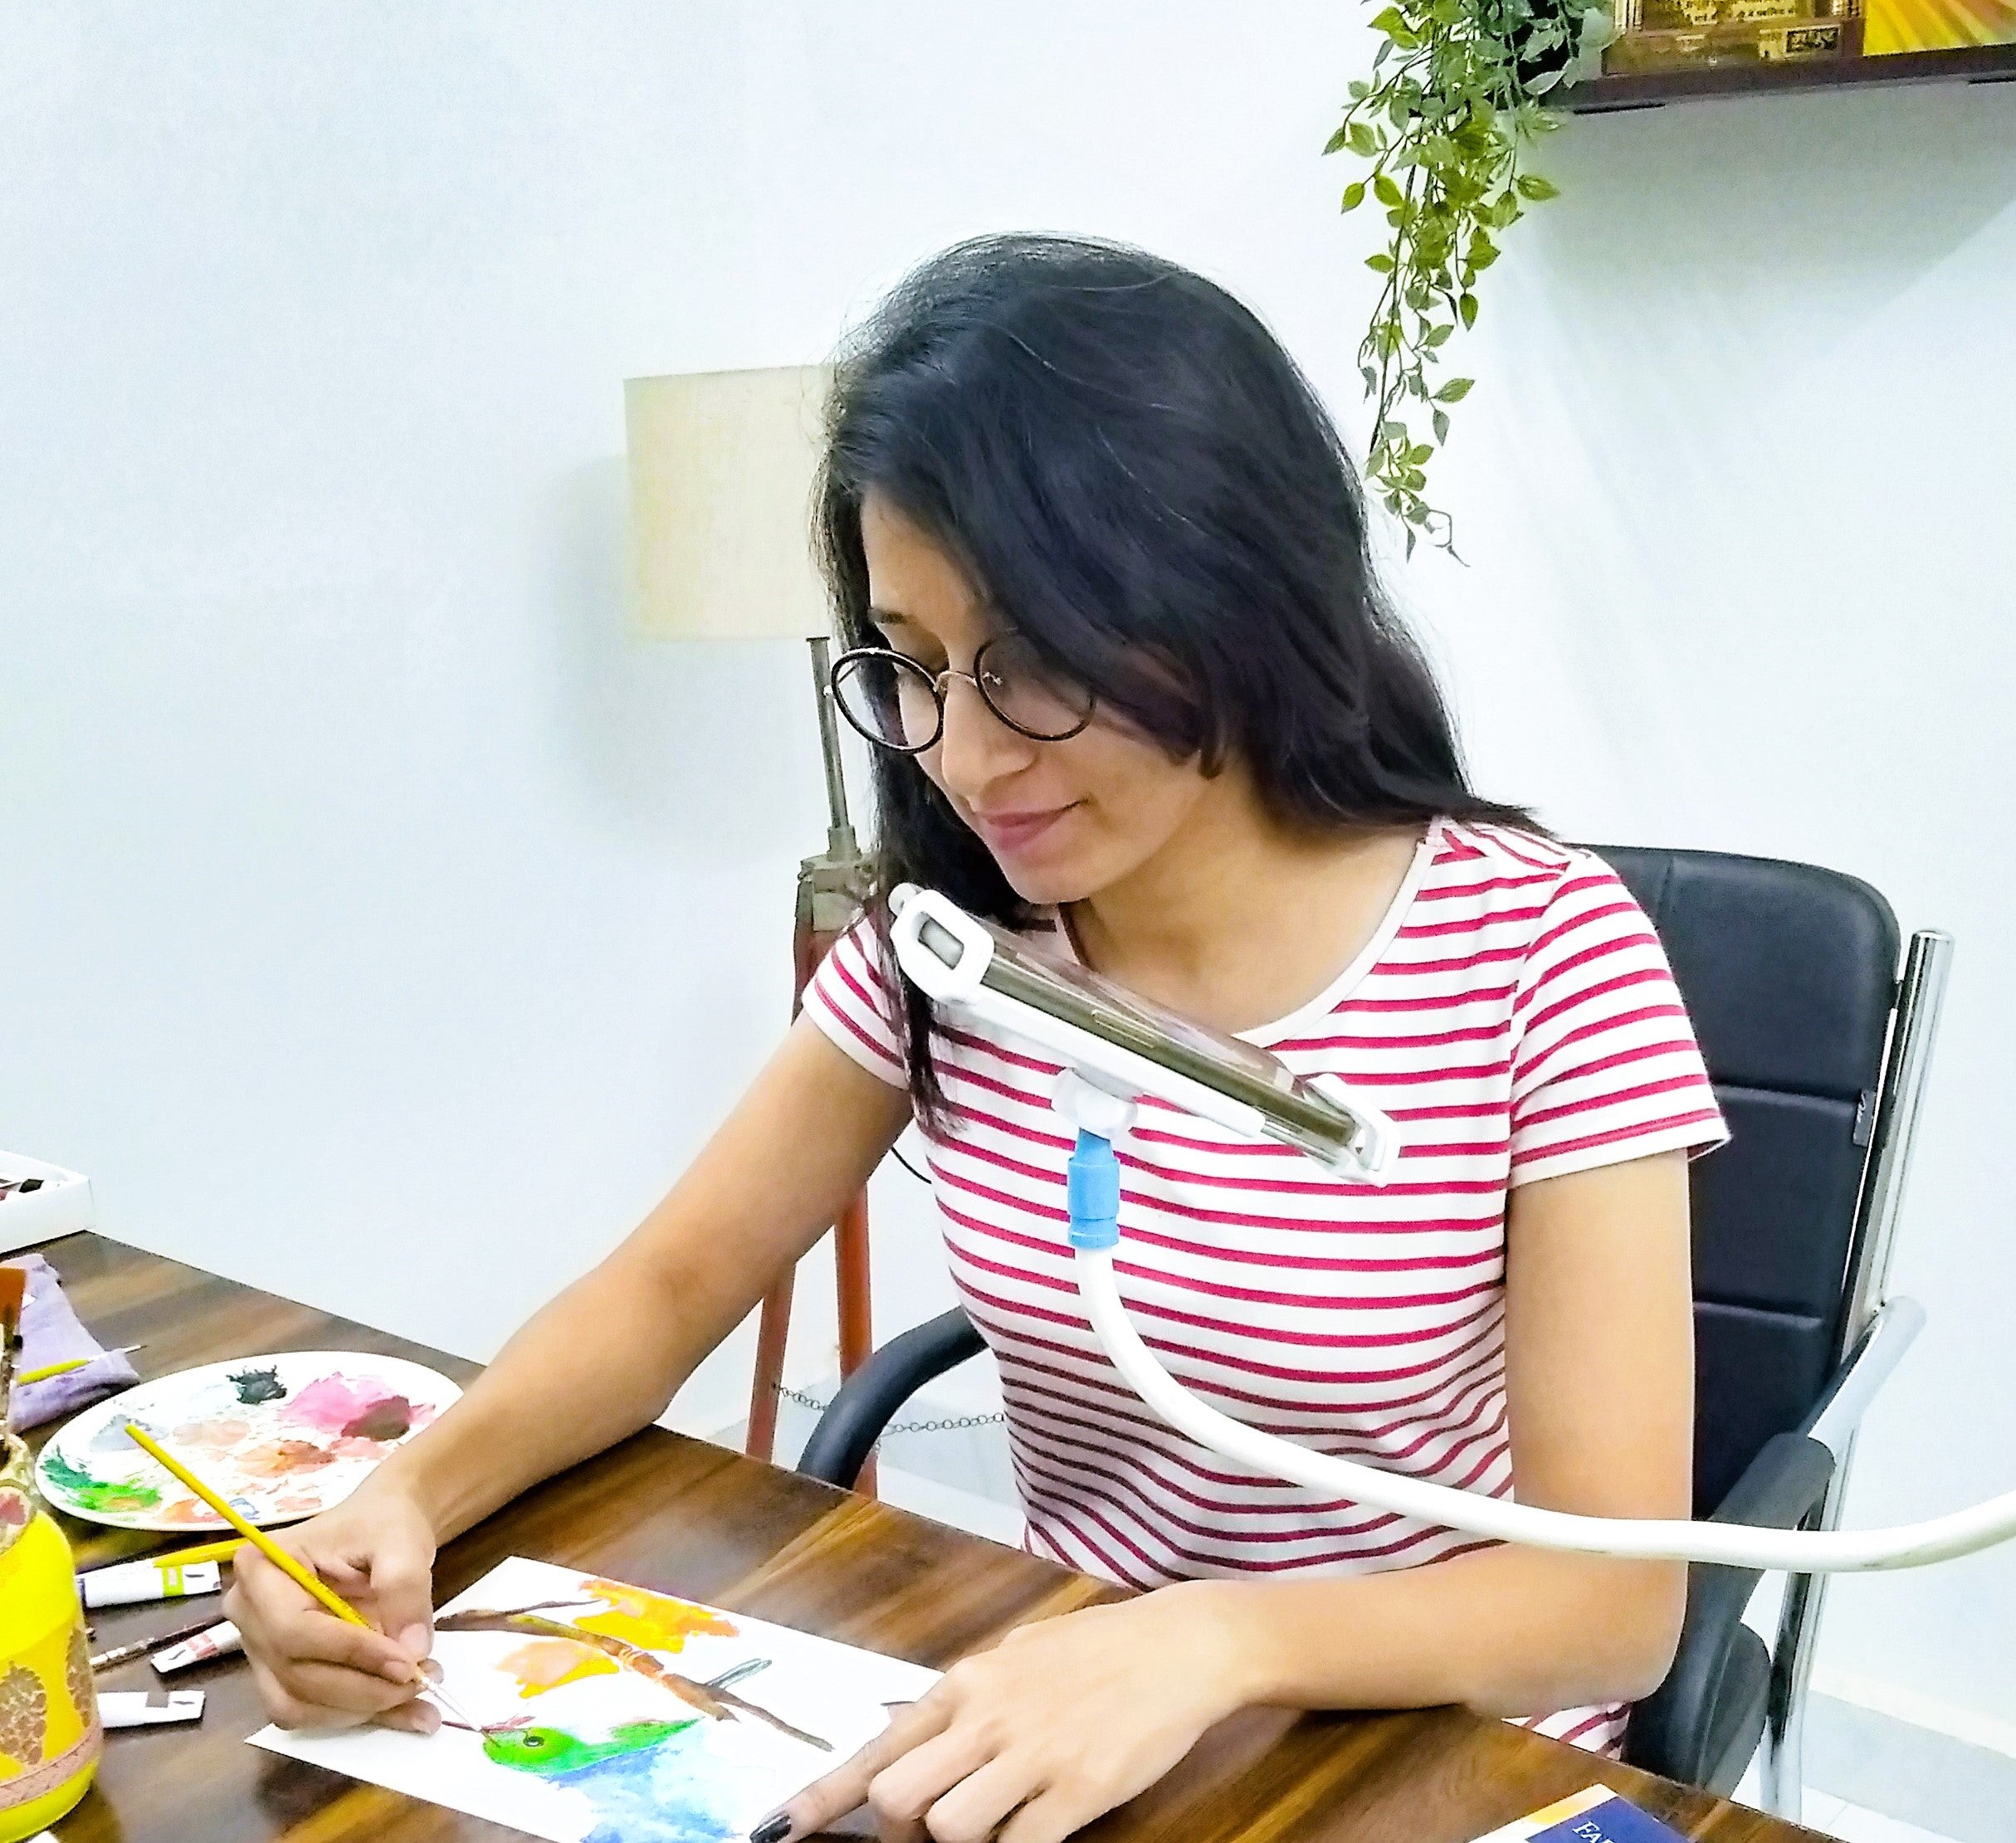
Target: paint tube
[
  {"x": 143, "y": 1708},
  {"x": 221, "y": 1641},
  {"x": 128, "y": 1583}
]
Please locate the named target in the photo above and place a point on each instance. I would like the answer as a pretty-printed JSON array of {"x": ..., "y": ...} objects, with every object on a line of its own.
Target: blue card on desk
[{"x": 1595, "y": 1814}]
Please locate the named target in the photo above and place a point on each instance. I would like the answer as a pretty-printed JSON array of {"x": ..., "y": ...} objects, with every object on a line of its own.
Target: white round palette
[{"x": 279, "y": 1438}]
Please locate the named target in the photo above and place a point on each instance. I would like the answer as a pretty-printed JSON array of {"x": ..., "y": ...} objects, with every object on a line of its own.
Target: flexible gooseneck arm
[
  {"x": 1107, "y": 1067},
  {"x": 1798, "y": 1552}
]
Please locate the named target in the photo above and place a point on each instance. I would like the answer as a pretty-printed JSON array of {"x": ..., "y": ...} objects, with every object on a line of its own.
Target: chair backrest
[{"x": 1790, "y": 974}]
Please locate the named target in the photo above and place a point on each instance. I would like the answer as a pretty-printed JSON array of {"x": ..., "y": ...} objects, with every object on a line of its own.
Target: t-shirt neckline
[{"x": 1361, "y": 964}]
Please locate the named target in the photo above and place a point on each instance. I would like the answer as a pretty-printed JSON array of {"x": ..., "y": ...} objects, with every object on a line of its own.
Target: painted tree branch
[{"x": 723, "y": 1704}]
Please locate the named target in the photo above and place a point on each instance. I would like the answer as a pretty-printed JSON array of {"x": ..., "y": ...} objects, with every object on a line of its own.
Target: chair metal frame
[{"x": 1877, "y": 1330}]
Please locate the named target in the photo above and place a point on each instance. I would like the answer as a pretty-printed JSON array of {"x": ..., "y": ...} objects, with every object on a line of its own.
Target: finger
[
  {"x": 846, "y": 1787},
  {"x": 352, "y": 1692},
  {"x": 1050, "y": 1817},
  {"x": 288, "y": 1711},
  {"x": 911, "y": 1784},
  {"x": 971, "y": 1811},
  {"x": 402, "y": 1600},
  {"x": 417, "y": 1717},
  {"x": 307, "y": 1635}
]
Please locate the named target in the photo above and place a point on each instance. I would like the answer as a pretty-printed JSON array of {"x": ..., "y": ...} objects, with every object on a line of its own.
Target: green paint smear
[{"x": 88, "y": 1493}]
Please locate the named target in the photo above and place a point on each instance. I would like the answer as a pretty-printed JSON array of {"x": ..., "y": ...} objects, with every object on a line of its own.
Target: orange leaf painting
[
  {"x": 546, "y": 1663},
  {"x": 653, "y": 1620}
]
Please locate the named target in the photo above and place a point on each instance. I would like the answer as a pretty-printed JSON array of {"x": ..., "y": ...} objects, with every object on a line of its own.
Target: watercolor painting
[
  {"x": 610, "y": 1714},
  {"x": 281, "y": 1437}
]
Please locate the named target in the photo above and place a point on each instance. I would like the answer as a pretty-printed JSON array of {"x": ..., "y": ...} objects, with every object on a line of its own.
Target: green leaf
[
  {"x": 1390, "y": 22},
  {"x": 1391, "y": 431},
  {"x": 1481, "y": 253},
  {"x": 1385, "y": 190},
  {"x": 1359, "y": 89},
  {"x": 1339, "y": 141},
  {"x": 1381, "y": 264},
  {"x": 1441, "y": 425},
  {"x": 1436, "y": 336},
  {"x": 1419, "y": 452},
  {"x": 1360, "y": 140},
  {"x": 1532, "y": 186},
  {"x": 1354, "y": 195},
  {"x": 1455, "y": 390},
  {"x": 1466, "y": 306}
]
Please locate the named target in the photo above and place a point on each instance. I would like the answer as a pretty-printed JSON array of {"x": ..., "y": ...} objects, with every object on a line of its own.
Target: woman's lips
[{"x": 1013, "y": 833}]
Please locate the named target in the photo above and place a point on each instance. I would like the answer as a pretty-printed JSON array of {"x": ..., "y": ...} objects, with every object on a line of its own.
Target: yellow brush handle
[
  {"x": 47, "y": 1370},
  {"x": 258, "y": 1539},
  {"x": 204, "y": 1552}
]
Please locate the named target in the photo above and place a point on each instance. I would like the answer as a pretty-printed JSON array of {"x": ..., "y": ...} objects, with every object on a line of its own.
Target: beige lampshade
[{"x": 721, "y": 467}]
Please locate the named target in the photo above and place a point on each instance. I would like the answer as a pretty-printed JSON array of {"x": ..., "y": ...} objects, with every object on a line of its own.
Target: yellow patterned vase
[{"x": 50, "y": 1738}]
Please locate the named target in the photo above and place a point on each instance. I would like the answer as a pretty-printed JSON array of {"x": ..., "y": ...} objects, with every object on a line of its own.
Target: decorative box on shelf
[{"x": 59, "y": 1204}]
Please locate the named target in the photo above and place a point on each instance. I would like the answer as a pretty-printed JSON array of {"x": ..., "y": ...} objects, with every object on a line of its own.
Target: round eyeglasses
[{"x": 897, "y": 703}]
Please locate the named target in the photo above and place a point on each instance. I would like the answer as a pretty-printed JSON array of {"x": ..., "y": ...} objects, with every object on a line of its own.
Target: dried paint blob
[
  {"x": 282, "y": 1439},
  {"x": 256, "y": 1387}
]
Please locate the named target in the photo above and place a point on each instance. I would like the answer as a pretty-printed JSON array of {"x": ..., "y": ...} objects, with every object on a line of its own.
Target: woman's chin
[{"x": 1046, "y": 885}]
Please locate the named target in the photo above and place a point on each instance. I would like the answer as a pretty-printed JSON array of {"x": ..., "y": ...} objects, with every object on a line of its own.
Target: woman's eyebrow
[{"x": 888, "y": 617}]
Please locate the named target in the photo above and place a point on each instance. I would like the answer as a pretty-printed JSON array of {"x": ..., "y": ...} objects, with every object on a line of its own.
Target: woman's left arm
[{"x": 1069, "y": 1717}]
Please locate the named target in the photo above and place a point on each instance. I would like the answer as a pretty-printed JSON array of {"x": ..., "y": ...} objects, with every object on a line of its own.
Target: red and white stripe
[{"x": 1515, "y": 1015}]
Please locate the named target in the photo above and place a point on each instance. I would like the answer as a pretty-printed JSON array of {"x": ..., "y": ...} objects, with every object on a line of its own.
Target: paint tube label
[
  {"x": 127, "y": 1583},
  {"x": 219, "y": 1641}
]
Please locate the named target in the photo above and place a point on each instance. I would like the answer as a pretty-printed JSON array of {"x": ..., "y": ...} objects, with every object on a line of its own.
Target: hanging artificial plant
[{"x": 1452, "y": 105}]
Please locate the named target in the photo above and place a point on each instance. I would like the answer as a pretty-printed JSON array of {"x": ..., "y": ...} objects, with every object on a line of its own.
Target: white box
[{"x": 62, "y": 1206}]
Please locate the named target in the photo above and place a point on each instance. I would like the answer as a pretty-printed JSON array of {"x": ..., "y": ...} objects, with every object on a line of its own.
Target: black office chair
[{"x": 1819, "y": 1052}]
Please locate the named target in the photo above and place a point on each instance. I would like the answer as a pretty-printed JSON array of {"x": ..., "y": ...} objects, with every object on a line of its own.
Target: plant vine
[{"x": 1453, "y": 103}]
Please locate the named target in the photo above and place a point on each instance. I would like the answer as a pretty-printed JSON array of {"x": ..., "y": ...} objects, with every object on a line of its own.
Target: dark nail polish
[{"x": 774, "y": 1829}]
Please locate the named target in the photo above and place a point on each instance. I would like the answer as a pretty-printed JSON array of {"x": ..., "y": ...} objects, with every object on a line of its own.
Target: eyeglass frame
[{"x": 938, "y": 692}]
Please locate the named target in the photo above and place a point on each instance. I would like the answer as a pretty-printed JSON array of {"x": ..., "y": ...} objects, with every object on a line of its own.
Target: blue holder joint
[{"x": 1091, "y": 1194}]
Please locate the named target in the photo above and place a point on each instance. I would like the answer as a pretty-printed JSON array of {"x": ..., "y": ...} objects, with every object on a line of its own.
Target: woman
[{"x": 1102, "y": 567}]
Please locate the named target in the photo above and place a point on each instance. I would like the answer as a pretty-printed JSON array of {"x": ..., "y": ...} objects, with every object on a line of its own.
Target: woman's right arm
[{"x": 602, "y": 1360}]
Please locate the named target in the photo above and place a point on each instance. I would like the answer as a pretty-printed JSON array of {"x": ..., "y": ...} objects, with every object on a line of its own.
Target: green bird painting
[
  {"x": 551, "y": 1752},
  {"x": 641, "y": 1787}
]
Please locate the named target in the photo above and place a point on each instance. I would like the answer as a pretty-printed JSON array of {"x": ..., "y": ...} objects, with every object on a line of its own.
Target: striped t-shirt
[{"x": 1515, "y": 1015}]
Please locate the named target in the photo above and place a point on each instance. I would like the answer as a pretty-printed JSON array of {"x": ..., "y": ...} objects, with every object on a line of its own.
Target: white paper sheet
[{"x": 580, "y": 1745}]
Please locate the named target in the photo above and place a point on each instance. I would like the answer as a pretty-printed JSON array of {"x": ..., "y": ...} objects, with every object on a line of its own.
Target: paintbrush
[
  {"x": 125, "y": 1654},
  {"x": 47, "y": 1370},
  {"x": 222, "y": 1551},
  {"x": 13, "y": 1296},
  {"x": 301, "y": 1576}
]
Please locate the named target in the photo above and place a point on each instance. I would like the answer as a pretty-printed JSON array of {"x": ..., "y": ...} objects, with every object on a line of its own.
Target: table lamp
[{"x": 721, "y": 469}]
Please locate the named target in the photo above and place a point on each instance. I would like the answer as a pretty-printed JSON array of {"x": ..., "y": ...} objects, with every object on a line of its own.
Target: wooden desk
[{"x": 689, "y": 1518}]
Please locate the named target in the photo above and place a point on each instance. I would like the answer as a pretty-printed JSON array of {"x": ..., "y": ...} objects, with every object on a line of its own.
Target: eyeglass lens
[{"x": 894, "y": 700}]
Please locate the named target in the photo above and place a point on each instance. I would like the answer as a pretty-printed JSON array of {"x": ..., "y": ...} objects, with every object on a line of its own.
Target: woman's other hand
[{"x": 1059, "y": 1722}]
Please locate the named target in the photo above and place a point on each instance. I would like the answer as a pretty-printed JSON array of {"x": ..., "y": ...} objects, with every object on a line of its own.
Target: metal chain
[{"x": 956, "y": 1424}]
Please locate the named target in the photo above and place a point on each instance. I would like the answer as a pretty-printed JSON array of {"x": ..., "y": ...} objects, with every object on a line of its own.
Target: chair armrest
[
  {"x": 868, "y": 1399},
  {"x": 1889, "y": 1333},
  {"x": 1672, "y": 1730}
]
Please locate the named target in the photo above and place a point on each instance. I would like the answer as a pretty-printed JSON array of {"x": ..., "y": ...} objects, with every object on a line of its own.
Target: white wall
[{"x": 383, "y": 926}]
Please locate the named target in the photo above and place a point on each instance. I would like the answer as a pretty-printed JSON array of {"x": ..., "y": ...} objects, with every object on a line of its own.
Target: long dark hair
[{"x": 1127, "y": 463}]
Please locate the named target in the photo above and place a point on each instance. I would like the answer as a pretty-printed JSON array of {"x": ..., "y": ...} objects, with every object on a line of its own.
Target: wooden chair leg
[
  {"x": 851, "y": 1277},
  {"x": 772, "y": 1330}
]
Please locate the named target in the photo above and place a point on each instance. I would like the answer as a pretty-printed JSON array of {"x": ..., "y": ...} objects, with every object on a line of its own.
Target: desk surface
[{"x": 691, "y": 1518}]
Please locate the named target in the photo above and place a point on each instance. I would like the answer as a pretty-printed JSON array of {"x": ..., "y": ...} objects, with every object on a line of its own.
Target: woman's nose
[{"x": 977, "y": 747}]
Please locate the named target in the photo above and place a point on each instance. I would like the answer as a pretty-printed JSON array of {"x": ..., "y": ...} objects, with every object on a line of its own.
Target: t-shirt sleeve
[
  {"x": 849, "y": 999},
  {"x": 1605, "y": 1066}
]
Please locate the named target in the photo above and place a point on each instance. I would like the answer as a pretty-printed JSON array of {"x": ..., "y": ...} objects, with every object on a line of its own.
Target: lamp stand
[{"x": 831, "y": 889}]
